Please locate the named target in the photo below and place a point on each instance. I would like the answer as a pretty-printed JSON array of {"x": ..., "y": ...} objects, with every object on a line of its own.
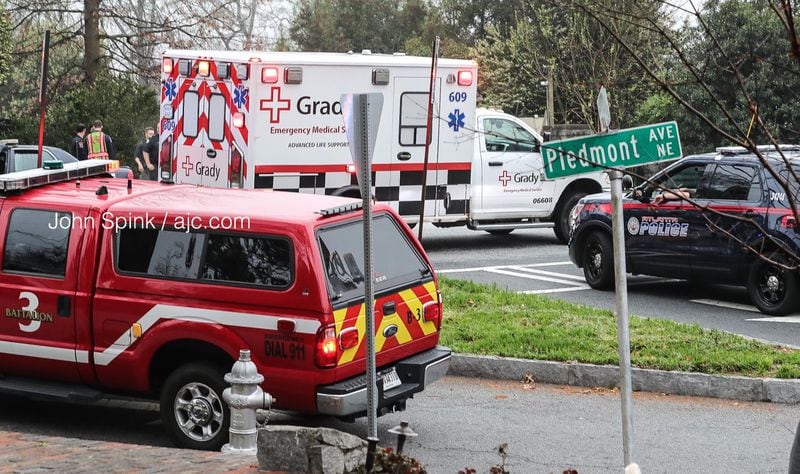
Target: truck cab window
[{"x": 505, "y": 135}]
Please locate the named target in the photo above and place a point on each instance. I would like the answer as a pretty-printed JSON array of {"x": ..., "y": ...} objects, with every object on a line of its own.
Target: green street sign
[{"x": 620, "y": 149}]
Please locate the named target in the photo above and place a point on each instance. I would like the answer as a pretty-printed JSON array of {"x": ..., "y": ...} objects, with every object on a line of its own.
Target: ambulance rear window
[{"x": 397, "y": 263}]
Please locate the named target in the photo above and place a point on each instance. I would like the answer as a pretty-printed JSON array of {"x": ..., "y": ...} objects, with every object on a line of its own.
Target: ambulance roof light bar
[{"x": 22, "y": 180}]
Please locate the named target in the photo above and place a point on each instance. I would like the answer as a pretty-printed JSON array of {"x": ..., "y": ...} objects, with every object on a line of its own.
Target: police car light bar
[
  {"x": 335, "y": 211},
  {"x": 740, "y": 150},
  {"x": 22, "y": 180}
]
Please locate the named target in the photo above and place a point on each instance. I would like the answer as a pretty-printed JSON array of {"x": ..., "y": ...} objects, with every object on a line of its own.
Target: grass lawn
[{"x": 482, "y": 319}]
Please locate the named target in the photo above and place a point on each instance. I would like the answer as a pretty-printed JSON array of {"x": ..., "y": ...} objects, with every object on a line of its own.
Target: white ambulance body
[{"x": 273, "y": 120}]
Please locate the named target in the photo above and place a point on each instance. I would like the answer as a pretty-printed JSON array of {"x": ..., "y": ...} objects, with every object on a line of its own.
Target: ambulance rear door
[{"x": 202, "y": 128}]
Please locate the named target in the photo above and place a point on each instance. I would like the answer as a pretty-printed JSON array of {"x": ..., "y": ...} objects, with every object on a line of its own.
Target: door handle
[
  {"x": 404, "y": 156},
  {"x": 389, "y": 308},
  {"x": 64, "y": 306},
  {"x": 495, "y": 163}
]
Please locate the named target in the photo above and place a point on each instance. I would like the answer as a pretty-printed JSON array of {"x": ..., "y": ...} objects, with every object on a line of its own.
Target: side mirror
[
  {"x": 627, "y": 182},
  {"x": 537, "y": 147}
]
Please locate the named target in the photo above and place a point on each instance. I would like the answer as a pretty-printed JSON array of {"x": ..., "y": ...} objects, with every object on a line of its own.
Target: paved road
[
  {"x": 533, "y": 261},
  {"x": 547, "y": 428}
]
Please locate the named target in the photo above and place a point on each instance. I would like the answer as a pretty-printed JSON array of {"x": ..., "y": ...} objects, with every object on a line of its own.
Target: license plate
[{"x": 390, "y": 380}]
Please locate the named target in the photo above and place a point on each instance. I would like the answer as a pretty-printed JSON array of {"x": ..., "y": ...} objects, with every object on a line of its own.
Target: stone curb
[{"x": 644, "y": 380}]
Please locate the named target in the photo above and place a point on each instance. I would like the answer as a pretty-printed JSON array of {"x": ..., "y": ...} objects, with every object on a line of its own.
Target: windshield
[{"x": 396, "y": 261}]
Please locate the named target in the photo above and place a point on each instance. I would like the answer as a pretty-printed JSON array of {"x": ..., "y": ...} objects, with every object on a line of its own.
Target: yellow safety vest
[{"x": 96, "y": 145}]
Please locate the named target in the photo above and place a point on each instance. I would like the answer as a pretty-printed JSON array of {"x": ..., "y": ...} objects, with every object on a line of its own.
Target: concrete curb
[{"x": 644, "y": 380}]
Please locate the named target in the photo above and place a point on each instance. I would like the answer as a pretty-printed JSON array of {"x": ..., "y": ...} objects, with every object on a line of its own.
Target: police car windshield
[{"x": 396, "y": 261}]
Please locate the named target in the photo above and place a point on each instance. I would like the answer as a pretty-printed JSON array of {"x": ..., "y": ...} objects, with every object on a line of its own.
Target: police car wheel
[
  {"x": 598, "y": 261},
  {"x": 773, "y": 290},
  {"x": 562, "y": 222},
  {"x": 192, "y": 409}
]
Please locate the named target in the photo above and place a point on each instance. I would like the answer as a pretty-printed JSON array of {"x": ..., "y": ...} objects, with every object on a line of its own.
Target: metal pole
[
  {"x": 623, "y": 334},
  {"x": 362, "y": 102},
  {"x": 428, "y": 135},
  {"x": 43, "y": 93}
]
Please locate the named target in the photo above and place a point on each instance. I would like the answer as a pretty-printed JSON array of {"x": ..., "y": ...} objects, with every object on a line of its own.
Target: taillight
[
  {"x": 327, "y": 348},
  {"x": 166, "y": 65},
  {"x": 165, "y": 159},
  {"x": 235, "y": 168},
  {"x": 465, "y": 78},
  {"x": 432, "y": 312},
  {"x": 269, "y": 75},
  {"x": 348, "y": 339},
  {"x": 351, "y": 169},
  {"x": 787, "y": 222}
]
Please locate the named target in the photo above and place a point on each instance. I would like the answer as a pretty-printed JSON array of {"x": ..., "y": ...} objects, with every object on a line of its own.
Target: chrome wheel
[{"x": 199, "y": 411}]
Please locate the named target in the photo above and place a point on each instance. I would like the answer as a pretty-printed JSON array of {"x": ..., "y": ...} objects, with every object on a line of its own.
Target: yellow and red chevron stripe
[{"x": 408, "y": 302}]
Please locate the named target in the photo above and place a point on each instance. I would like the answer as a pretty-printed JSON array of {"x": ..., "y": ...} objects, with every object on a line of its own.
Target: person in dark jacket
[{"x": 78, "y": 144}]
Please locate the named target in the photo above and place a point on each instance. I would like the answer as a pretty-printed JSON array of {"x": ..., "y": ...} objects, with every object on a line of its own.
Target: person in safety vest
[{"x": 99, "y": 144}]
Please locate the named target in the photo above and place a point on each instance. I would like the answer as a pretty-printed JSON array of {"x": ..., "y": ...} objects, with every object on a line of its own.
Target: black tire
[
  {"x": 561, "y": 221},
  {"x": 773, "y": 290},
  {"x": 192, "y": 409},
  {"x": 500, "y": 231},
  {"x": 598, "y": 261}
]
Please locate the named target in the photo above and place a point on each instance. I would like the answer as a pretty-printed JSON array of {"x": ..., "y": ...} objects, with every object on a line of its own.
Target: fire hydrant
[{"x": 244, "y": 396}]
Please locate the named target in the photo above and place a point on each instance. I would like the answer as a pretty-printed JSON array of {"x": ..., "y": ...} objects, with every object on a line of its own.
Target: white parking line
[
  {"x": 545, "y": 272},
  {"x": 725, "y": 304},
  {"x": 532, "y": 277},
  {"x": 779, "y": 319},
  {"x": 478, "y": 269},
  {"x": 555, "y": 290}
]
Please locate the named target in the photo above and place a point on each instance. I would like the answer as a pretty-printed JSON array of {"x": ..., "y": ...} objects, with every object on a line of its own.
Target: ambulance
[{"x": 274, "y": 120}]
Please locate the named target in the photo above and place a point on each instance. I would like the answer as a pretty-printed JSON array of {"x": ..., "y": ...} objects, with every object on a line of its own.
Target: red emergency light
[
  {"x": 269, "y": 75},
  {"x": 465, "y": 78},
  {"x": 166, "y": 65},
  {"x": 238, "y": 120}
]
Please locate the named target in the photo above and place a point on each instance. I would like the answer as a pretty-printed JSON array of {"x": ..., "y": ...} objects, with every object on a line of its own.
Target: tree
[
  {"x": 341, "y": 25},
  {"x": 5, "y": 45},
  {"x": 551, "y": 42}
]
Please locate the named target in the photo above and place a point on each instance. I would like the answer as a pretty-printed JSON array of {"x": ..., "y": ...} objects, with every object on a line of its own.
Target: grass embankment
[{"x": 482, "y": 319}]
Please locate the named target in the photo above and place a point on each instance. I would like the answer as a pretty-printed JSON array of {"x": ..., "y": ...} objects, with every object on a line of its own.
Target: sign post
[
  {"x": 621, "y": 149},
  {"x": 362, "y": 114}
]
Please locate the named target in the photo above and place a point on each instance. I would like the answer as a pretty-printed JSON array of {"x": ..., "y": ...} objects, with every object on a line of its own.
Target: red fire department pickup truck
[{"x": 146, "y": 289}]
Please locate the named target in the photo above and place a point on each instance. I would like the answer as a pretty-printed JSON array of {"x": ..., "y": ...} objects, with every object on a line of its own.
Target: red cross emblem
[
  {"x": 279, "y": 106},
  {"x": 187, "y": 165},
  {"x": 505, "y": 178}
]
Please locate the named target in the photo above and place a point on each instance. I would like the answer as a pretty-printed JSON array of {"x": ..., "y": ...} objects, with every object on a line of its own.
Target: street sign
[
  {"x": 362, "y": 116},
  {"x": 620, "y": 149}
]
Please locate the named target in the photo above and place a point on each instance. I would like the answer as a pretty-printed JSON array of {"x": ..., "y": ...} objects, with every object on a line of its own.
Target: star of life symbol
[
  {"x": 505, "y": 178},
  {"x": 170, "y": 89},
  {"x": 456, "y": 118},
  {"x": 240, "y": 96}
]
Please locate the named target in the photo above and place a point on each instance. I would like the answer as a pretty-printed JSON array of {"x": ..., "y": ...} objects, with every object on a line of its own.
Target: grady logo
[
  {"x": 530, "y": 177},
  {"x": 305, "y": 105}
]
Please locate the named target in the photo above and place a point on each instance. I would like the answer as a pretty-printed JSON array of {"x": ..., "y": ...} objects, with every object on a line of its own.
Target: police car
[
  {"x": 114, "y": 286},
  {"x": 747, "y": 214}
]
